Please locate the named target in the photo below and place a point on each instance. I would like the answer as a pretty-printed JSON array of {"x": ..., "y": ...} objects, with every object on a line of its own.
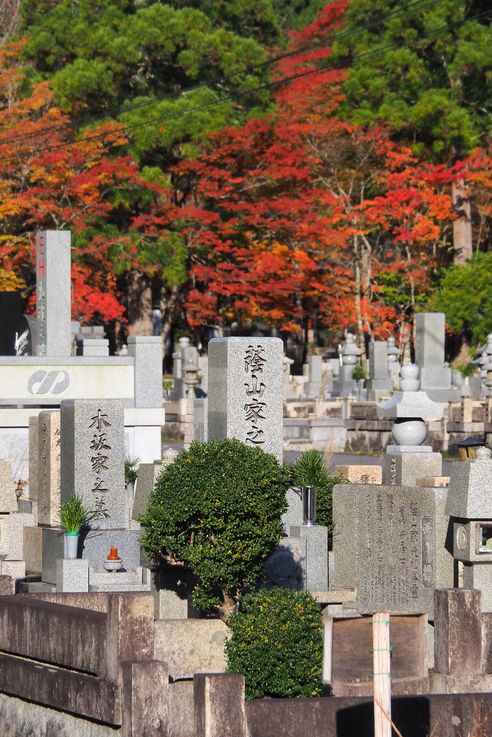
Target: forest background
[{"x": 253, "y": 166}]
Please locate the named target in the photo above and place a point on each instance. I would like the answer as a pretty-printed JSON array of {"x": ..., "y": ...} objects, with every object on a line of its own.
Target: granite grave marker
[{"x": 245, "y": 391}]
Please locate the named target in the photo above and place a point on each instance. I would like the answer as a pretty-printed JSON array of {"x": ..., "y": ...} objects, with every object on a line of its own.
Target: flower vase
[{"x": 71, "y": 544}]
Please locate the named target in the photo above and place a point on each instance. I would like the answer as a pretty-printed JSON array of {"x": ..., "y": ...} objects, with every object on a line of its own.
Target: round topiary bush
[
  {"x": 217, "y": 511},
  {"x": 276, "y": 643}
]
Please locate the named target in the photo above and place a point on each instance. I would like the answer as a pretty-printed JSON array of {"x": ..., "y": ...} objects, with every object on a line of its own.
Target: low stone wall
[
  {"x": 415, "y": 716},
  {"x": 220, "y": 710},
  {"x": 21, "y": 718}
]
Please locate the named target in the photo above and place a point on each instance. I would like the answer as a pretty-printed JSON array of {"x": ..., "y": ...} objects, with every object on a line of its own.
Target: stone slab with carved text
[
  {"x": 93, "y": 458},
  {"x": 245, "y": 391},
  {"x": 389, "y": 543}
]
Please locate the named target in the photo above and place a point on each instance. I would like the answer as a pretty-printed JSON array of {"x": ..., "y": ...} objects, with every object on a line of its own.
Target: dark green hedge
[{"x": 276, "y": 643}]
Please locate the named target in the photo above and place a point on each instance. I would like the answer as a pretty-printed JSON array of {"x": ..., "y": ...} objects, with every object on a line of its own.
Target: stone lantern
[
  {"x": 350, "y": 353},
  {"x": 408, "y": 458},
  {"x": 469, "y": 504}
]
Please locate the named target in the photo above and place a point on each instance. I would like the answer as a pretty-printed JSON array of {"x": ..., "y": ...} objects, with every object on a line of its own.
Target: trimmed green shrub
[
  {"x": 217, "y": 510},
  {"x": 276, "y": 643}
]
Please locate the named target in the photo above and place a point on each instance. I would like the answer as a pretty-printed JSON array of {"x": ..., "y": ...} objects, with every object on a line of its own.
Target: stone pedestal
[
  {"x": 403, "y": 468},
  {"x": 53, "y": 294},
  {"x": 72, "y": 575},
  {"x": 316, "y": 573}
]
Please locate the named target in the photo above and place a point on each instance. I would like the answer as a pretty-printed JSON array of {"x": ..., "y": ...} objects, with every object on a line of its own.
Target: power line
[
  {"x": 230, "y": 97},
  {"x": 170, "y": 97}
]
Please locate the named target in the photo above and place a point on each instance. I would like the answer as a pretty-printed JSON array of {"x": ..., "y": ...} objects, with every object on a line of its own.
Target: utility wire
[
  {"x": 230, "y": 97},
  {"x": 248, "y": 70}
]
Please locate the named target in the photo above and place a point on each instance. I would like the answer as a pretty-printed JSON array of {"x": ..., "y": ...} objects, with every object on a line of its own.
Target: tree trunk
[
  {"x": 227, "y": 607},
  {"x": 139, "y": 304},
  {"x": 462, "y": 227}
]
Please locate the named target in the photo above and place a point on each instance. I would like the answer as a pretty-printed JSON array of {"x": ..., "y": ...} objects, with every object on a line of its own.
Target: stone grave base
[
  {"x": 136, "y": 580},
  {"x": 94, "y": 547}
]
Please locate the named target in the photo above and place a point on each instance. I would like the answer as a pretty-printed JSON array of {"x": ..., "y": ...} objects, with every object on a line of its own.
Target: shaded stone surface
[
  {"x": 191, "y": 646},
  {"x": 48, "y": 480},
  {"x": 8, "y": 499},
  {"x": 458, "y": 631}
]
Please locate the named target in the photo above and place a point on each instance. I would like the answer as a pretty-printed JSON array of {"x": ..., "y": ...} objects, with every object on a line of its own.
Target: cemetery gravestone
[
  {"x": 93, "y": 457},
  {"x": 53, "y": 294},
  {"x": 245, "y": 392},
  {"x": 379, "y": 382},
  {"x": 390, "y": 543},
  {"x": 435, "y": 377},
  {"x": 8, "y": 499},
  {"x": 48, "y": 477}
]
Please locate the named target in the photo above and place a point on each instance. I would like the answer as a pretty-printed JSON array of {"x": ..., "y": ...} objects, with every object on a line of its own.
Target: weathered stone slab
[
  {"x": 245, "y": 391},
  {"x": 148, "y": 474},
  {"x": 191, "y": 646},
  {"x": 8, "y": 498},
  {"x": 458, "y": 632},
  {"x": 93, "y": 457},
  {"x": 48, "y": 482},
  {"x": 389, "y": 543}
]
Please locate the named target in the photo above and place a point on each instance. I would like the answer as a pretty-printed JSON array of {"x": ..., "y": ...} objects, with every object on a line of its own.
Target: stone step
[{"x": 117, "y": 587}]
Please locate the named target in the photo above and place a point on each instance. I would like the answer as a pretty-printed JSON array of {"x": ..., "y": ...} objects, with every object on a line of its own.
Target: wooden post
[
  {"x": 382, "y": 674},
  {"x": 327, "y": 649}
]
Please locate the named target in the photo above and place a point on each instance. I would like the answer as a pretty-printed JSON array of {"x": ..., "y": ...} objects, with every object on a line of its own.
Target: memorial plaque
[
  {"x": 92, "y": 459},
  {"x": 389, "y": 543},
  {"x": 245, "y": 399}
]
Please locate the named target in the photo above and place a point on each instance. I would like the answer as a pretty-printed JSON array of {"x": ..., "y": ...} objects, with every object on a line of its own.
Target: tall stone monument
[
  {"x": 379, "y": 383},
  {"x": 435, "y": 375},
  {"x": 245, "y": 391},
  {"x": 93, "y": 458},
  {"x": 53, "y": 294},
  {"x": 48, "y": 469}
]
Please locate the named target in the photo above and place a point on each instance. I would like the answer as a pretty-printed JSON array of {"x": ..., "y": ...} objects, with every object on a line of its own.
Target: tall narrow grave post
[{"x": 53, "y": 294}]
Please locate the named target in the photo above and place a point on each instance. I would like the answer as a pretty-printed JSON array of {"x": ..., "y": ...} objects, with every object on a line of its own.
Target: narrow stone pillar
[{"x": 53, "y": 294}]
